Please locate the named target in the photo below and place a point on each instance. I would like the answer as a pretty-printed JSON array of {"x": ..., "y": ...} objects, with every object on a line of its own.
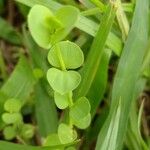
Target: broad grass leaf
[
  {"x": 63, "y": 81},
  {"x": 9, "y": 34},
  {"x": 128, "y": 72},
  {"x": 62, "y": 101},
  {"x": 66, "y": 52}
]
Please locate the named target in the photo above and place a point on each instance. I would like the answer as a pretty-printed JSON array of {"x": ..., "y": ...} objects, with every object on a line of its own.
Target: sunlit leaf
[
  {"x": 62, "y": 101},
  {"x": 63, "y": 81},
  {"x": 66, "y": 52},
  {"x": 66, "y": 134}
]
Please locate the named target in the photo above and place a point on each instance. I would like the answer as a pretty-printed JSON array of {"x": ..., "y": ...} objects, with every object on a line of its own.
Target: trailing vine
[{"x": 65, "y": 57}]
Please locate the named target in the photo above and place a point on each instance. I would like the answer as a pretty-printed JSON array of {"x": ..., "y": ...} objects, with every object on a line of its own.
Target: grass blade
[
  {"x": 97, "y": 49},
  {"x": 8, "y": 33},
  {"x": 128, "y": 71}
]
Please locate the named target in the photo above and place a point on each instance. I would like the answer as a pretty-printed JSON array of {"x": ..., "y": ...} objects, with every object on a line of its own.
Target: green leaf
[
  {"x": 9, "y": 132},
  {"x": 12, "y": 105},
  {"x": 47, "y": 28},
  {"x": 42, "y": 24},
  {"x": 63, "y": 81},
  {"x": 45, "y": 110},
  {"x": 27, "y": 131},
  {"x": 110, "y": 139},
  {"x": 22, "y": 89},
  {"x": 83, "y": 123},
  {"x": 66, "y": 134},
  {"x": 83, "y": 23},
  {"x": 128, "y": 71},
  {"x": 62, "y": 101},
  {"x": 94, "y": 57},
  {"x": 9, "y": 34},
  {"x": 46, "y": 114},
  {"x": 71, "y": 17},
  {"x": 52, "y": 140},
  {"x": 12, "y": 118},
  {"x": 80, "y": 109},
  {"x": 99, "y": 84},
  {"x": 9, "y": 146},
  {"x": 67, "y": 53}
]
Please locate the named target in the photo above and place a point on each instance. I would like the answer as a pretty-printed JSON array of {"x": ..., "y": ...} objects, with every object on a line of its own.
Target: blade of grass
[
  {"x": 94, "y": 57},
  {"x": 8, "y": 33},
  {"x": 23, "y": 88},
  {"x": 128, "y": 71},
  {"x": 46, "y": 113},
  {"x": 99, "y": 84}
]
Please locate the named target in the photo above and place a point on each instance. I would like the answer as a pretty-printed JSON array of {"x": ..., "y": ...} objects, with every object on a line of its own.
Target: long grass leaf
[
  {"x": 97, "y": 49},
  {"x": 128, "y": 71}
]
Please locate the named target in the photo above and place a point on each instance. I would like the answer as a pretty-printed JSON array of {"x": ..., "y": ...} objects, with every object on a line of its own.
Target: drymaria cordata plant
[{"x": 65, "y": 57}]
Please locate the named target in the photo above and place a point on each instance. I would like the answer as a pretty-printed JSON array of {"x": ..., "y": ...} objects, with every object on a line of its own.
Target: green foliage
[
  {"x": 66, "y": 134},
  {"x": 71, "y": 65},
  {"x": 63, "y": 81},
  {"x": 50, "y": 28},
  {"x": 66, "y": 54},
  {"x": 12, "y": 105}
]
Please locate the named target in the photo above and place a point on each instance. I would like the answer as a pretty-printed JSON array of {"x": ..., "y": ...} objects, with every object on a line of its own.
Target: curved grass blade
[
  {"x": 94, "y": 57},
  {"x": 9, "y": 34},
  {"x": 128, "y": 71}
]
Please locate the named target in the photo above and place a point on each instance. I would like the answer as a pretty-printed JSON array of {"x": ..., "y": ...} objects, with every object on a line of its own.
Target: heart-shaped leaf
[
  {"x": 62, "y": 101},
  {"x": 71, "y": 55},
  {"x": 66, "y": 134},
  {"x": 43, "y": 24},
  {"x": 52, "y": 140},
  {"x": 83, "y": 123},
  {"x": 80, "y": 109},
  {"x": 71, "y": 17},
  {"x": 9, "y": 132},
  {"x": 12, "y": 118},
  {"x": 63, "y": 81}
]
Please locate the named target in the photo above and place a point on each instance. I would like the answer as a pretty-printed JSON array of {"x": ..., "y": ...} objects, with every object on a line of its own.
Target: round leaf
[
  {"x": 62, "y": 101},
  {"x": 12, "y": 105},
  {"x": 12, "y": 118},
  {"x": 66, "y": 134},
  {"x": 52, "y": 140},
  {"x": 63, "y": 81},
  {"x": 42, "y": 24},
  {"x": 27, "y": 131},
  {"x": 9, "y": 132},
  {"x": 83, "y": 123},
  {"x": 80, "y": 109},
  {"x": 71, "y": 17},
  {"x": 71, "y": 55}
]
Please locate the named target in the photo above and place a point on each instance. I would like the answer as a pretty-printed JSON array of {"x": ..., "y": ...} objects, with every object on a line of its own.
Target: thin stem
[{"x": 21, "y": 140}]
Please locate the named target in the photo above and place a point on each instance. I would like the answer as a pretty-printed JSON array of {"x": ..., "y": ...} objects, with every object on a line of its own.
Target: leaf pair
[
  {"x": 48, "y": 28},
  {"x": 64, "y": 55},
  {"x": 13, "y": 107}
]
